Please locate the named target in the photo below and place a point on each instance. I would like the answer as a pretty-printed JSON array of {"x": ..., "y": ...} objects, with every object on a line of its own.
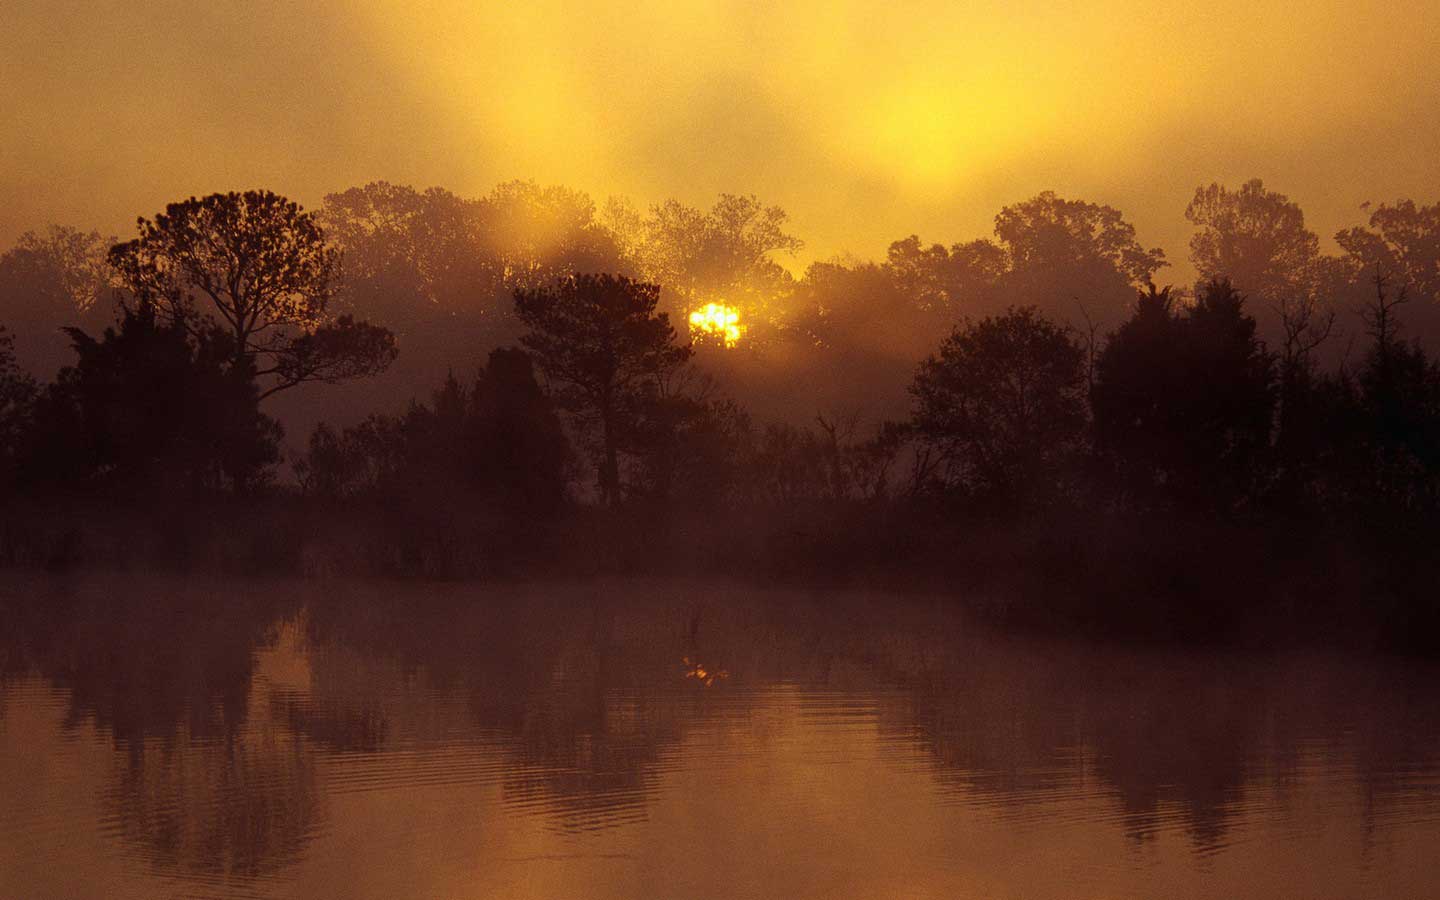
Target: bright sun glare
[{"x": 717, "y": 322}]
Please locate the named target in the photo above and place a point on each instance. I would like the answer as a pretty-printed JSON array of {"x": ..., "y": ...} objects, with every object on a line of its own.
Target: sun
[{"x": 717, "y": 322}]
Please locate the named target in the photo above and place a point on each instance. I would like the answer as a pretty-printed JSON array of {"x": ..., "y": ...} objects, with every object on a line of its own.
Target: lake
[{"x": 176, "y": 737}]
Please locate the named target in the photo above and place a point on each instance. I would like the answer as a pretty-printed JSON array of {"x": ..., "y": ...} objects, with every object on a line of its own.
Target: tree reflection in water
[
  {"x": 199, "y": 784},
  {"x": 236, "y": 712}
]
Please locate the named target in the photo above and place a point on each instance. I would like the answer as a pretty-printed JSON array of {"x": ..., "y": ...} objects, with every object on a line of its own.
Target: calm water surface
[{"x": 188, "y": 738}]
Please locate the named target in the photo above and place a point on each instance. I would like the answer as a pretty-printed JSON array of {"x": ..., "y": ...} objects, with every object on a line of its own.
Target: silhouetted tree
[
  {"x": 1234, "y": 393},
  {"x": 1048, "y": 252},
  {"x": 50, "y": 280},
  {"x": 689, "y": 447},
  {"x": 1303, "y": 412},
  {"x": 364, "y": 459},
  {"x": 1400, "y": 397},
  {"x": 723, "y": 255},
  {"x": 1135, "y": 386},
  {"x": 440, "y": 270},
  {"x": 424, "y": 457},
  {"x": 499, "y": 441},
  {"x": 1003, "y": 404},
  {"x": 328, "y": 468},
  {"x": 689, "y": 450},
  {"x": 410, "y": 255},
  {"x": 853, "y": 337},
  {"x": 859, "y": 308},
  {"x": 539, "y": 234},
  {"x": 1068, "y": 259},
  {"x": 1403, "y": 239},
  {"x": 788, "y": 465},
  {"x": 1183, "y": 404},
  {"x": 1254, "y": 237},
  {"x": 1052, "y": 231},
  {"x": 898, "y": 308},
  {"x": 960, "y": 280},
  {"x": 1257, "y": 240},
  {"x": 517, "y": 446},
  {"x": 1062, "y": 253},
  {"x": 856, "y": 462},
  {"x": 257, "y": 266},
  {"x": 17, "y": 397},
  {"x": 602, "y": 347},
  {"x": 152, "y": 405}
]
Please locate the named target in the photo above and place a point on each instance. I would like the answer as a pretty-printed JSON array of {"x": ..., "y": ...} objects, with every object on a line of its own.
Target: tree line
[
  {"x": 438, "y": 270},
  {"x": 1041, "y": 374}
]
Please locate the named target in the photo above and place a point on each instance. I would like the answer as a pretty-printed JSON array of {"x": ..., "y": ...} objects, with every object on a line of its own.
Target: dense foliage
[{"x": 873, "y": 414}]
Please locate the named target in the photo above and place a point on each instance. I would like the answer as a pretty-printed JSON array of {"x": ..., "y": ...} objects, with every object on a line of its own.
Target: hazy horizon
[{"x": 865, "y": 124}]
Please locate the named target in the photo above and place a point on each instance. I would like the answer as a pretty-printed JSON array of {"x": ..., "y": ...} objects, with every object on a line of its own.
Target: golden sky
[{"x": 865, "y": 120}]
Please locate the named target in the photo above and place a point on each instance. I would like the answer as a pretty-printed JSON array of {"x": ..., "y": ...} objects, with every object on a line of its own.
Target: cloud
[{"x": 866, "y": 121}]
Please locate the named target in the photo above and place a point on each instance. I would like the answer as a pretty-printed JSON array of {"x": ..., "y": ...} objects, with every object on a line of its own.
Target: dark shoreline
[{"x": 1126, "y": 577}]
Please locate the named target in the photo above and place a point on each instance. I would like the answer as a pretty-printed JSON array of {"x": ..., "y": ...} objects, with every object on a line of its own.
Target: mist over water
[{"x": 184, "y": 737}]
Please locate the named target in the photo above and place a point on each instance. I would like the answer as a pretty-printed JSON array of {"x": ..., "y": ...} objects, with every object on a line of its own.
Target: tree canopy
[
  {"x": 1003, "y": 403},
  {"x": 1184, "y": 401},
  {"x": 49, "y": 280},
  {"x": 603, "y": 348},
  {"x": 259, "y": 267},
  {"x": 1254, "y": 237},
  {"x": 152, "y": 405},
  {"x": 17, "y": 396}
]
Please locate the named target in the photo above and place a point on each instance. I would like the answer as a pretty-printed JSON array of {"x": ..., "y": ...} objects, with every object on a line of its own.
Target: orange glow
[
  {"x": 716, "y": 321},
  {"x": 695, "y": 669},
  {"x": 865, "y": 121}
]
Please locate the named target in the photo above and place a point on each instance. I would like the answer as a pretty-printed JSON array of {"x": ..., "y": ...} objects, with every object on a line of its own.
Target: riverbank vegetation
[{"x": 412, "y": 384}]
